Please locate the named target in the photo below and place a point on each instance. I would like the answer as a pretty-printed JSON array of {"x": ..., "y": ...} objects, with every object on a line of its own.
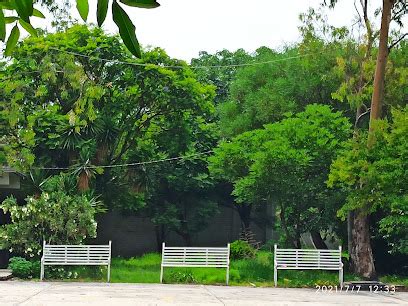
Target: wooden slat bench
[
  {"x": 76, "y": 255},
  {"x": 195, "y": 257},
  {"x": 307, "y": 259}
]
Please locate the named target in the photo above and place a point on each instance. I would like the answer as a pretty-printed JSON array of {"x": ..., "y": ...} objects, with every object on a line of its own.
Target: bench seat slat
[
  {"x": 76, "y": 263},
  {"x": 306, "y": 258}
]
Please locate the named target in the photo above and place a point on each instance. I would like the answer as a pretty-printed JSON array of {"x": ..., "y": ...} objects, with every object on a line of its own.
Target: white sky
[{"x": 185, "y": 27}]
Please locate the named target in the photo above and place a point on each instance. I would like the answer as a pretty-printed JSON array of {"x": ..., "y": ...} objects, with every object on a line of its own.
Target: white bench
[
  {"x": 305, "y": 259},
  {"x": 195, "y": 257},
  {"x": 76, "y": 255}
]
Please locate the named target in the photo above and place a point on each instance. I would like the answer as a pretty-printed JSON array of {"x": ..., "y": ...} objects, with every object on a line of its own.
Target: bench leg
[
  {"x": 108, "y": 273},
  {"x": 227, "y": 275},
  {"x": 42, "y": 271},
  {"x": 341, "y": 277},
  {"x": 275, "y": 276},
  {"x": 161, "y": 275}
]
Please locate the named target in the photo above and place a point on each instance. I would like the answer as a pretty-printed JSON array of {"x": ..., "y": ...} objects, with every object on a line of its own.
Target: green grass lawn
[{"x": 246, "y": 272}]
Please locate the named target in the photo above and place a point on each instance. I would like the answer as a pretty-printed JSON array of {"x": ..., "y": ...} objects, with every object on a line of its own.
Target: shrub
[
  {"x": 24, "y": 268},
  {"x": 181, "y": 277},
  {"x": 58, "y": 272},
  {"x": 241, "y": 250},
  {"x": 21, "y": 267},
  {"x": 269, "y": 245},
  {"x": 57, "y": 217}
]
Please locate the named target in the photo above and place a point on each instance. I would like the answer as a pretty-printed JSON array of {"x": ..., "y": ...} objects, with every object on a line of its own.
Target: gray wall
[{"x": 133, "y": 236}]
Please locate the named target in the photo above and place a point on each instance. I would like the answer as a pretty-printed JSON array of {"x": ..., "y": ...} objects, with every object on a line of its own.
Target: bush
[
  {"x": 58, "y": 272},
  {"x": 241, "y": 250},
  {"x": 269, "y": 245},
  {"x": 185, "y": 277},
  {"x": 21, "y": 267},
  {"x": 57, "y": 217},
  {"x": 24, "y": 268}
]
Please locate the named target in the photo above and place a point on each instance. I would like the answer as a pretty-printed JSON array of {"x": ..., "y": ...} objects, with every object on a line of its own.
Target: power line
[
  {"x": 179, "y": 66},
  {"x": 132, "y": 164}
]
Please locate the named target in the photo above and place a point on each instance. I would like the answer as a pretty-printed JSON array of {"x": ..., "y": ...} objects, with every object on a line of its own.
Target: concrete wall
[
  {"x": 9, "y": 180},
  {"x": 133, "y": 236}
]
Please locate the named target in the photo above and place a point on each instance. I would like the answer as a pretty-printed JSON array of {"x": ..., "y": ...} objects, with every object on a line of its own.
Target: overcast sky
[{"x": 185, "y": 27}]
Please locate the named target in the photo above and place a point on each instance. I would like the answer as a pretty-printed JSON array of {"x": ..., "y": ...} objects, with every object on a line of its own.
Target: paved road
[{"x": 53, "y": 293}]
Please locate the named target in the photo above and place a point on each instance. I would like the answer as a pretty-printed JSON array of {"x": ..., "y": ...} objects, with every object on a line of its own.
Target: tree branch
[
  {"x": 358, "y": 13},
  {"x": 361, "y": 116},
  {"x": 397, "y": 42}
]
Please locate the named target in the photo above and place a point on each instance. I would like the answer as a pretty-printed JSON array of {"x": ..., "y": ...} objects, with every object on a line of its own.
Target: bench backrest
[
  {"x": 76, "y": 254},
  {"x": 195, "y": 257},
  {"x": 308, "y": 259}
]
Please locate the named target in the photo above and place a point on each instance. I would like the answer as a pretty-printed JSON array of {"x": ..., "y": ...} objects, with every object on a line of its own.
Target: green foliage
[
  {"x": 221, "y": 77},
  {"x": 53, "y": 216},
  {"x": 257, "y": 270},
  {"x": 181, "y": 277},
  {"x": 375, "y": 179},
  {"x": 101, "y": 11},
  {"x": 12, "y": 41},
  {"x": 25, "y": 9},
  {"x": 81, "y": 113},
  {"x": 126, "y": 29},
  {"x": 21, "y": 267},
  {"x": 241, "y": 250},
  {"x": 179, "y": 197},
  {"x": 268, "y": 245},
  {"x": 298, "y": 151},
  {"x": 293, "y": 78}
]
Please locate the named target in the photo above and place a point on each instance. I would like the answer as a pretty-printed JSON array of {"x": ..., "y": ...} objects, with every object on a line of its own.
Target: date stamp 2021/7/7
[{"x": 355, "y": 289}]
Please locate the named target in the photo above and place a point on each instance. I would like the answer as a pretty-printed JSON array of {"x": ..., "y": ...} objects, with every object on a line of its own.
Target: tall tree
[
  {"x": 219, "y": 69},
  {"x": 361, "y": 252},
  {"x": 287, "y": 164},
  {"x": 79, "y": 112}
]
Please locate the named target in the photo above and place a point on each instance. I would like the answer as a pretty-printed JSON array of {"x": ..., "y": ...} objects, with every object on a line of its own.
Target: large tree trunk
[
  {"x": 289, "y": 238},
  {"x": 362, "y": 260},
  {"x": 318, "y": 240},
  {"x": 378, "y": 88},
  {"x": 160, "y": 236},
  {"x": 83, "y": 182},
  {"x": 244, "y": 211},
  {"x": 187, "y": 238},
  {"x": 361, "y": 109},
  {"x": 361, "y": 254}
]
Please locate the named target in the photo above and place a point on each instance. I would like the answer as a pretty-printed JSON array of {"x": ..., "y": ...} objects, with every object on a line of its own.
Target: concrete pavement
[{"x": 99, "y": 294}]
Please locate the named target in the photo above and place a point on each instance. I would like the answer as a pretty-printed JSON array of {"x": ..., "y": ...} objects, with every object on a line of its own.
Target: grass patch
[
  {"x": 395, "y": 280},
  {"x": 145, "y": 269},
  {"x": 257, "y": 271}
]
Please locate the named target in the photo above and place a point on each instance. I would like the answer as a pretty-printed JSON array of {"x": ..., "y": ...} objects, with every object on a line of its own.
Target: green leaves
[
  {"x": 126, "y": 29},
  {"x": 101, "y": 11},
  {"x": 141, "y": 3},
  {"x": 24, "y": 9},
  {"x": 12, "y": 41},
  {"x": 2, "y": 26},
  {"x": 83, "y": 9},
  {"x": 28, "y": 27},
  {"x": 37, "y": 13}
]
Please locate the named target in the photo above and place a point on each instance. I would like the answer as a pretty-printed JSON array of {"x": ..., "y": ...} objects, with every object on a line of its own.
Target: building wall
[
  {"x": 134, "y": 236},
  {"x": 9, "y": 180}
]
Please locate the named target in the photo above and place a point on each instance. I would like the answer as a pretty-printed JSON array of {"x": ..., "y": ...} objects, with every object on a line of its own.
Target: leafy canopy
[{"x": 23, "y": 10}]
